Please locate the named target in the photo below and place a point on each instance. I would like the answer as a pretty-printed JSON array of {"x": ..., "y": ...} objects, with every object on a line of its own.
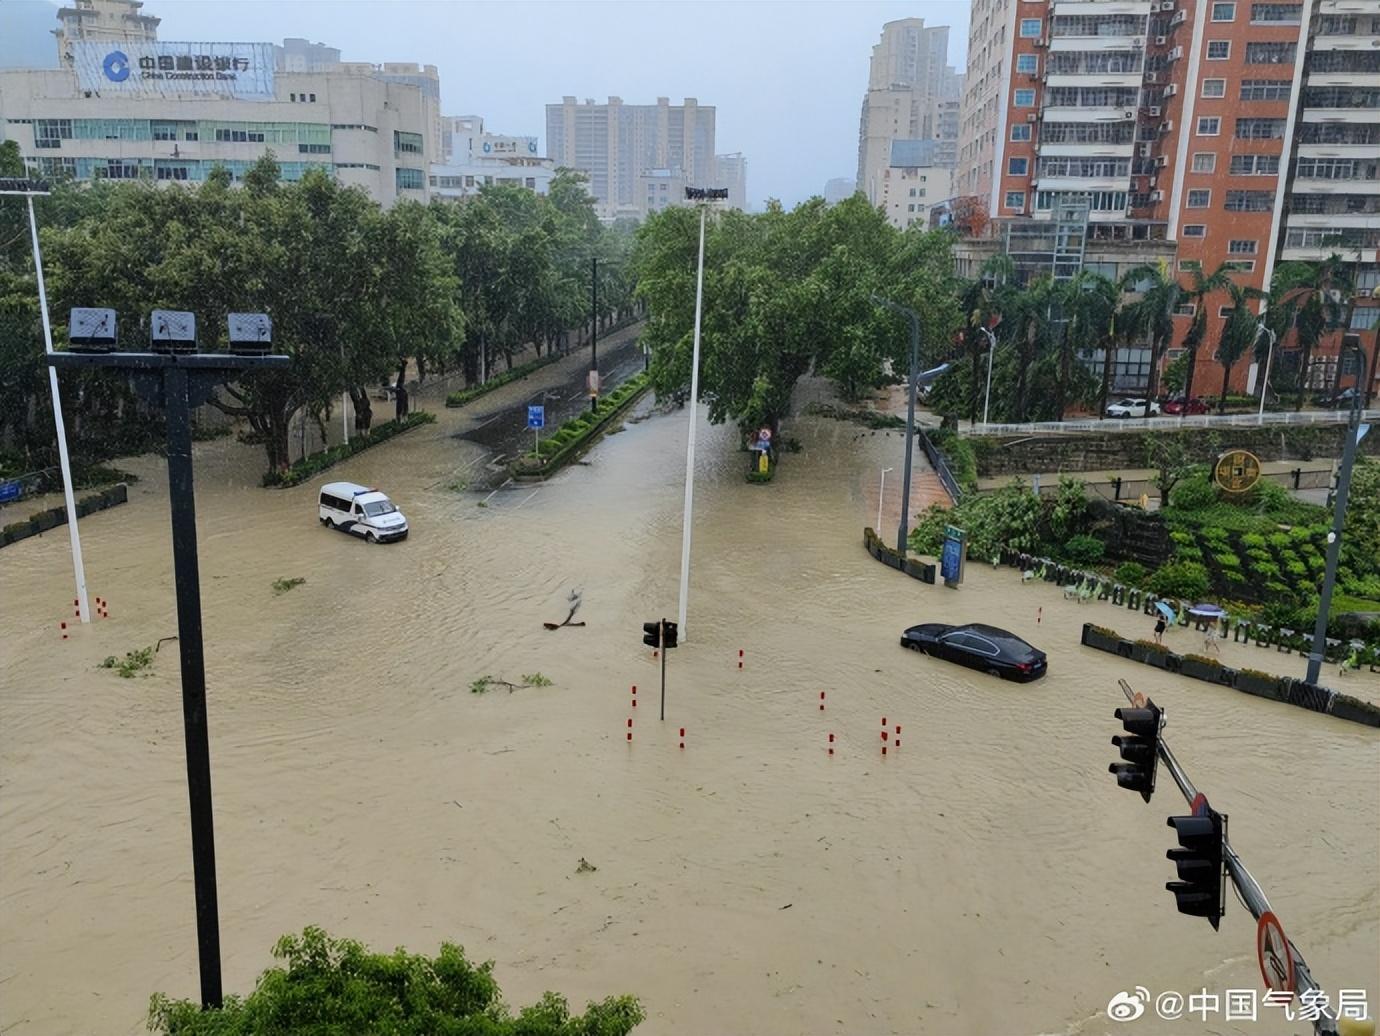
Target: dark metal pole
[
  {"x": 910, "y": 428},
  {"x": 188, "y": 582},
  {"x": 661, "y": 639},
  {"x": 1334, "y": 548},
  {"x": 594, "y": 334}
]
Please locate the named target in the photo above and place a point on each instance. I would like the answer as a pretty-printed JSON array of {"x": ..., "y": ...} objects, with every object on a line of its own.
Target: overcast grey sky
[{"x": 787, "y": 77}]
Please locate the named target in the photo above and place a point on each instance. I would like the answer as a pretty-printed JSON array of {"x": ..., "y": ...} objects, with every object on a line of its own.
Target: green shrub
[
  {"x": 1253, "y": 541},
  {"x": 1131, "y": 573},
  {"x": 1193, "y": 494},
  {"x": 319, "y": 462},
  {"x": 1227, "y": 561},
  {"x": 1267, "y": 570},
  {"x": 336, "y": 986},
  {"x": 1181, "y": 537},
  {"x": 1260, "y": 557},
  {"x": 1179, "y": 579},
  {"x": 1084, "y": 550},
  {"x": 1297, "y": 569},
  {"x": 1366, "y": 586},
  {"x": 1188, "y": 554},
  {"x": 521, "y": 371},
  {"x": 1279, "y": 540}
]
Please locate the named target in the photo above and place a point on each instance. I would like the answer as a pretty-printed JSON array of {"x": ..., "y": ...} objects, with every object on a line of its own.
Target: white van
[{"x": 362, "y": 511}]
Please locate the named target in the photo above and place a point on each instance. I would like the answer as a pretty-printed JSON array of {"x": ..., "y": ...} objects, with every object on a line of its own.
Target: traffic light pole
[{"x": 1251, "y": 892}]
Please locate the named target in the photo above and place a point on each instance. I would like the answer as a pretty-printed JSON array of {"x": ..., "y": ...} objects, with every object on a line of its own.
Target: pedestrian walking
[
  {"x": 1210, "y": 639},
  {"x": 1159, "y": 630}
]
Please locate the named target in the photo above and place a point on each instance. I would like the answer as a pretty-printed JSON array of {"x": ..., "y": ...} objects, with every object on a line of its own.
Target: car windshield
[{"x": 378, "y": 507}]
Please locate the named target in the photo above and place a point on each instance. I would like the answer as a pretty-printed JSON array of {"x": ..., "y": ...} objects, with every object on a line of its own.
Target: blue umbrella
[
  {"x": 1208, "y": 611},
  {"x": 1166, "y": 610}
]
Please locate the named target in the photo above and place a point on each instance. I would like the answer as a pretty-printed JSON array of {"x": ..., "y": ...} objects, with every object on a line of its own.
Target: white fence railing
[{"x": 1168, "y": 422}]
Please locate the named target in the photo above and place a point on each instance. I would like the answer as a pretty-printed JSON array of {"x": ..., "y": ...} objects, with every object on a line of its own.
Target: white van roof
[{"x": 348, "y": 490}]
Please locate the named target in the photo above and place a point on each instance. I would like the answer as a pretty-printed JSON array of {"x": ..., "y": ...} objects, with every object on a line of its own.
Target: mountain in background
[{"x": 26, "y": 34}]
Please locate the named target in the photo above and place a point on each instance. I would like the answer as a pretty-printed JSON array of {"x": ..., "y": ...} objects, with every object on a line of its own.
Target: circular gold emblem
[{"x": 1237, "y": 471}]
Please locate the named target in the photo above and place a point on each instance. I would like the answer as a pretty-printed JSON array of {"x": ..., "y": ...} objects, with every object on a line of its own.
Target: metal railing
[
  {"x": 1170, "y": 422},
  {"x": 941, "y": 466}
]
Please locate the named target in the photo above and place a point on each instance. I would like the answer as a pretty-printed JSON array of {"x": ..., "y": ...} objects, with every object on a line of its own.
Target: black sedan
[{"x": 978, "y": 646}]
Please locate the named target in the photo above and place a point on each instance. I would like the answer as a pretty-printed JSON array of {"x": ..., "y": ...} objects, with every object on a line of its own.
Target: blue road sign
[
  {"x": 536, "y": 417},
  {"x": 10, "y": 491},
  {"x": 951, "y": 556}
]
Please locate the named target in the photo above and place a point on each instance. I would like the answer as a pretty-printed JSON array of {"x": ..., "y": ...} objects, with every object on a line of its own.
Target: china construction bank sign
[{"x": 242, "y": 70}]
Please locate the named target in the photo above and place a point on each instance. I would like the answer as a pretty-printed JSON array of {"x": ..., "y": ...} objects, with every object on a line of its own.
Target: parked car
[
  {"x": 1133, "y": 408},
  {"x": 1179, "y": 405},
  {"x": 978, "y": 646},
  {"x": 1342, "y": 400},
  {"x": 362, "y": 511}
]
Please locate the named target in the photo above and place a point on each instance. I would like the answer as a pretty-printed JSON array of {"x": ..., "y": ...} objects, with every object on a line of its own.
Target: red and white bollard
[
  {"x": 831, "y": 744},
  {"x": 821, "y": 701},
  {"x": 682, "y": 737},
  {"x": 634, "y": 696},
  {"x": 63, "y": 627},
  {"x": 898, "y": 736},
  {"x": 1039, "y": 614},
  {"x": 740, "y": 658},
  {"x": 629, "y": 728}
]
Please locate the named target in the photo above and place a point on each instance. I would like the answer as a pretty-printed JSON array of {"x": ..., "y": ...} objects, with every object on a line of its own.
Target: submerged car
[
  {"x": 1133, "y": 408},
  {"x": 978, "y": 646}
]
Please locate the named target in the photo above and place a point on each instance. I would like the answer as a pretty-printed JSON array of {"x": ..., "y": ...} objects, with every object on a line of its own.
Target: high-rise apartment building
[
  {"x": 617, "y": 144},
  {"x": 839, "y": 188},
  {"x": 912, "y": 94},
  {"x": 101, "y": 21},
  {"x": 732, "y": 174},
  {"x": 913, "y": 183},
  {"x": 1235, "y": 131}
]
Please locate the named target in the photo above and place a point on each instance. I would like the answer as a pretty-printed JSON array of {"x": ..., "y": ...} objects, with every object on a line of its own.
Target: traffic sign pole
[{"x": 662, "y": 641}]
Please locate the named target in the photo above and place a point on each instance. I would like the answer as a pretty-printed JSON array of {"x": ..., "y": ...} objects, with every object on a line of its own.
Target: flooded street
[{"x": 987, "y": 877}]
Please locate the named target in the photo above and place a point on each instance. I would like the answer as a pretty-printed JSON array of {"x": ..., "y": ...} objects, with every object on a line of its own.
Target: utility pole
[
  {"x": 28, "y": 190},
  {"x": 1334, "y": 538},
  {"x": 911, "y": 384},
  {"x": 1265, "y": 382},
  {"x": 991, "y": 351},
  {"x": 594, "y": 334}
]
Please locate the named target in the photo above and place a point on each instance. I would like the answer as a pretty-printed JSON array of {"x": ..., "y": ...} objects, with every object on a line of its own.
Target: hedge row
[
  {"x": 1250, "y": 681},
  {"x": 55, "y": 516},
  {"x": 469, "y": 395},
  {"x": 318, "y": 462},
  {"x": 571, "y": 438}
]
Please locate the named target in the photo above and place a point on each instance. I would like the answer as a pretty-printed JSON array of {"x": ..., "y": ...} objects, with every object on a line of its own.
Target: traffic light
[
  {"x": 1140, "y": 748},
  {"x": 670, "y": 633},
  {"x": 653, "y": 633},
  {"x": 1199, "y": 890}
]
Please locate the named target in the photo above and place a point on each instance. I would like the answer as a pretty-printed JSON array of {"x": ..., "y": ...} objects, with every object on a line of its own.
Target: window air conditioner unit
[
  {"x": 1154, "y": 111},
  {"x": 1145, "y": 151},
  {"x": 1031, "y": 117},
  {"x": 1129, "y": 113},
  {"x": 1166, "y": 125},
  {"x": 1179, "y": 18},
  {"x": 1161, "y": 161},
  {"x": 1161, "y": 40},
  {"x": 1137, "y": 43},
  {"x": 1157, "y": 195},
  {"x": 1152, "y": 77},
  {"x": 1176, "y": 54},
  {"x": 1043, "y": 41},
  {"x": 1171, "y": 89}
]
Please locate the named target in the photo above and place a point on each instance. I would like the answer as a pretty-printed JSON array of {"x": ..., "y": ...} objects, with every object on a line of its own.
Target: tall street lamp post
[
  {"x": 1354, "y": 432},
  {"x": 177, "y": 382},
  {"x": 704, "y": 196},
  {"x": 1265, "y": 382},
  {"x": 28, "y": 190},
  {"x": 991, "y": 351},
  {"x": 594, "y": 335},
  {"x": 881, "y": 495}
]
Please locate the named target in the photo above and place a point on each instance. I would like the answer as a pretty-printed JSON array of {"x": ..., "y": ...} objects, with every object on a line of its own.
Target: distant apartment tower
[
  {"x": 1235, "y": 131},
  {"x": 101, "y": 21},
  {"x": 732, "y": 174},
  {"x": 617, "y": 144},
  {"x": 839, "y": 188},
  {"x": 299, "y": 55},
  {"x": 911, "y": 95}
]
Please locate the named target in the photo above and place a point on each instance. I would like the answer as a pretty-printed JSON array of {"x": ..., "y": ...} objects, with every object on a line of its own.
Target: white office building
[{"x": 475, "y": 159}]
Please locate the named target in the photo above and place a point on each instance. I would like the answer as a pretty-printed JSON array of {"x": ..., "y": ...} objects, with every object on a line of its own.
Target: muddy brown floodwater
[{"x": 987, "y": 877}]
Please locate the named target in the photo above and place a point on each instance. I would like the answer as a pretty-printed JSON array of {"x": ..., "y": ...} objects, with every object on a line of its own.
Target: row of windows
[
  {"x": 1084, "y": 61},
  {"x": 407, "y": 143},
  {"x": 1345, "y": 237},
  {"x": 1251, "y": 89},
  {"x": 1246, "y": 129},
  {"x": 1056, "y": 165},
  {"x": 304, "y": 98},
  {"x": 1236, "y": 201},
  {"x": 1241, "y": 165},
  {"x": 1079, "y": 132},
  {"x": 49, "y": 133},
  {"x": 1334, "y": 204},
  {"x": 1337, "y": 169},
  {"x": 1088, "y": 25},
  {"x": 1260, "y": 53},
  {"x": 157, "y": 169},
  {"x": 1089, "y": 97},
  {"x": 1341, "y": 97},
  {"x": 1279, "y": 14},
  {"x": 409, "y": 179},
  {"x": 1344, "y": 61}
]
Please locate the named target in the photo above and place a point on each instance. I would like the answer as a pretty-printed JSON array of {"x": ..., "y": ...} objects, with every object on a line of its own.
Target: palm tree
[
  {"x": 1088, "y": 302},
  {"x": 1310, "y": 298},
  {"x": 1152, "y": 314},
  {"x": 1200, "y": 288},
  {"x": 1026, "y": 319},
  {"x": 1238, "y": 333}
]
